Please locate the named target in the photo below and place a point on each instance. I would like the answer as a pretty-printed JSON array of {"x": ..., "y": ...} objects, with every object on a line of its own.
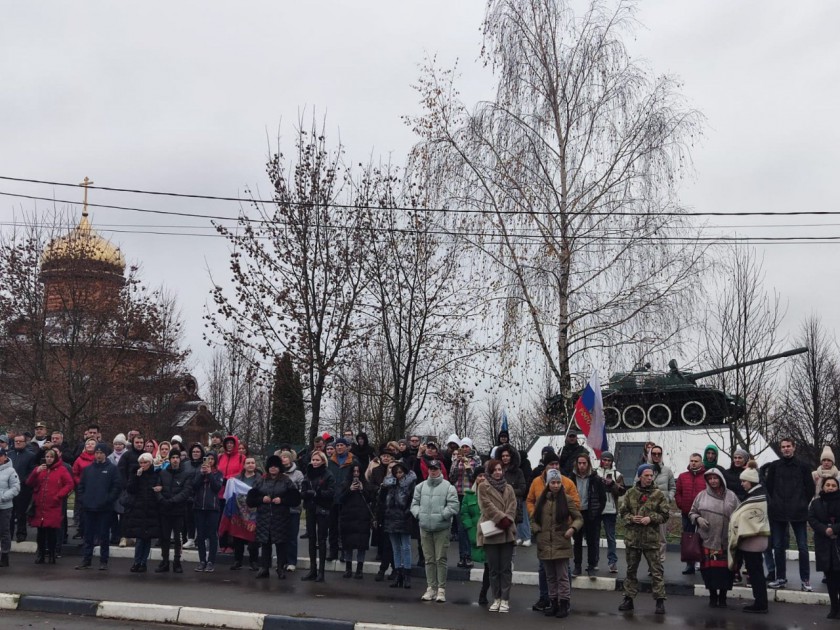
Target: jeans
[
  {"x": 6, "y": 530},
  {"x": 591, "y": 531},
  {"x": 142, "y": 547},
  {"x": 206, "y": 529},
  {"x": 171, "y": 527},
  {"x": 292, "y": 543},
  {"x": 543, "y": 581},
  {"x": 523, "y": 529},
  {"x": 401, "y": 544},
  {"x": 97, "y": 526},
  {"x": 781, "y": 539},
  {"x": 609, "y": 531},
  {"x": 435, "y": 545},
  {"x": 500, "y": 560}
]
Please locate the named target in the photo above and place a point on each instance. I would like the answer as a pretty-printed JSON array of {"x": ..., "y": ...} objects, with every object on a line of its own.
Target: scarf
[
  {"x": 497, "y": 484},
  {"x": 830, "y": 473}
]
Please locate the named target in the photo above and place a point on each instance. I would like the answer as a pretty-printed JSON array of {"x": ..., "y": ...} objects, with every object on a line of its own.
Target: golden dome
[{"x": 83, "y": 243}]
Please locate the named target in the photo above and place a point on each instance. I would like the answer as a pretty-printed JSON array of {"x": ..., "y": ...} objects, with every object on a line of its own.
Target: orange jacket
[{"x": 538, "y": 485}]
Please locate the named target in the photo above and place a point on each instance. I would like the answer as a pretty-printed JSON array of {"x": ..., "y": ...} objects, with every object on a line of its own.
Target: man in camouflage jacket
[{"x": 644, "y": 509}]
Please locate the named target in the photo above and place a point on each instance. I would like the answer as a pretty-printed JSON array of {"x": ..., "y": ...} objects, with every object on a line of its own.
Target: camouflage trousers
[{"x": 634, "y": 558}]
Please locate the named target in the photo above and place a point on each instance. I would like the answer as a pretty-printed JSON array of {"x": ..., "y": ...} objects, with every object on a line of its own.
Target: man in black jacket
[
  {"x": 98, "y": 489},
  {"x": 24, "y": 461},
  {"x": 593, "y": 499},
  {"x": 129, "y": 461},
  {"x": 569, "y": 453},
  {"x": 176, "y": 490},
  {"x": 790, "y": 488}
]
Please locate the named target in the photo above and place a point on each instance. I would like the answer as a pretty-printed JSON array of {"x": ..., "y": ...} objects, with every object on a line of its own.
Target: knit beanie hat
[
  {"x": 750, "y": 472},
  {"x": 102, "y": 447},
  {"x": 742, "y": 453},
  {"x": 608, "y": 455},
  {"x": 827, "y": 453},
  {"x": 551, "y": 475},
  {"x": 643, "y": 468},
  {"x": 120, "y": 439}
]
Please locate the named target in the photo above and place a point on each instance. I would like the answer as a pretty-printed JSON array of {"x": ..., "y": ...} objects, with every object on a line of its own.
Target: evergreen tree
[{"x": 288, "y": 416}]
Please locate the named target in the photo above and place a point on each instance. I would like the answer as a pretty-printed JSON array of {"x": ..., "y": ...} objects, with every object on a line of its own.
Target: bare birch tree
[
  {"x": 571, "y": 174},
  {"x": 742, "y": 324},
  {"x": 809, "y": 408},
  {"x": 298, "y": 266}
]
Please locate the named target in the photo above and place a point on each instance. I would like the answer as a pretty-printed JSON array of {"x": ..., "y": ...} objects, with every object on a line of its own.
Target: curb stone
[{"x": 522, "y": 578}]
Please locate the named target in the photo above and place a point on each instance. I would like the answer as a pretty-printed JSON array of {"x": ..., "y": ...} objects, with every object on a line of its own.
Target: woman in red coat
[{"x": 50, "y": 483}]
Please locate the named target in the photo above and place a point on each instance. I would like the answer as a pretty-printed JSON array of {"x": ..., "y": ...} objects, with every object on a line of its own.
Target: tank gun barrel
[{"x": 788, "y": 353}]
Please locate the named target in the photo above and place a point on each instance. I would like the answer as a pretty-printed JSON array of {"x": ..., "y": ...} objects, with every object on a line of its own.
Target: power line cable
[{"x": 423, "y": 209}]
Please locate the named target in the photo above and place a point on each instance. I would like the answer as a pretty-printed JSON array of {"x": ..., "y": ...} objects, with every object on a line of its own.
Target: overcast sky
[{"x": 183, "y": 96}]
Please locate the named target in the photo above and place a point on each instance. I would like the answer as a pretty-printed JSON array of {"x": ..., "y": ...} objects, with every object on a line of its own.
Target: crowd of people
[{"x": 352, "y": 497}]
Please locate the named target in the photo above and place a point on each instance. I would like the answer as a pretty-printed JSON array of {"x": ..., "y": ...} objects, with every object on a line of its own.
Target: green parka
[
  {"x": 640, "y": 501},
  {"x": 551, "y": 543},
  {"x": 470, "y": 515}
]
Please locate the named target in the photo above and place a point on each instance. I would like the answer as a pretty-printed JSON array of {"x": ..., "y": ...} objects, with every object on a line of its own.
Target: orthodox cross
[{"x": 86, "y": 183}]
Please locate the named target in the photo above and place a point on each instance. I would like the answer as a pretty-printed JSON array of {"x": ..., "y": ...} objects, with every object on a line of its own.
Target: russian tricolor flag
[{"x": 589, "y": 415}]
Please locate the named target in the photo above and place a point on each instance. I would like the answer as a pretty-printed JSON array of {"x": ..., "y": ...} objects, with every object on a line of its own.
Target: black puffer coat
[
  {"x": 318, "y": 490},
  {"x": 273, "y": 520},
  {"x": 142, "y": 519},
  {"x": 395, "y": 501},
  {"x": 790, "y": 488},
  {"x": 824, "y": 512},
  {"x": 356, "y": 515},
  {"x": 177, "y": 491},
  {"x": 515, "y": 477}
]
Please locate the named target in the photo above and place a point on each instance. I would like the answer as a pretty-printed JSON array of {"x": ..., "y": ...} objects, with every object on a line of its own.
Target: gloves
[
  {"x": 702, "y": 523},
  {"x": 505, "y": 523}
]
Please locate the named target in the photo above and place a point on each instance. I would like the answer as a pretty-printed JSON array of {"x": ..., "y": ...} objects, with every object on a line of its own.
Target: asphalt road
[
  {"x": 45, "y": 621},
  {"x": 369, "y": 601}
]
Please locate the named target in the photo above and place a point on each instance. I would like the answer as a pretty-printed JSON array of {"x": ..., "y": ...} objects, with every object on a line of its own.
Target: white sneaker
[
  {"x": 504, "y": 606},
  {"x": 494, "y": 607},
  {"x": 290, "y": 568},
  {"x": 190, "y": 544},
  {"x": 526, "y": 543},
  {"x": 123, "y": 542},
  {"x": 441, "y": 595},
  {"x": 518, "y": 542},
  {"x": 429, "y": 595}
]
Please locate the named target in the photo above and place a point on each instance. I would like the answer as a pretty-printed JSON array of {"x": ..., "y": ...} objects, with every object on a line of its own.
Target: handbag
[
  {"x": 691, "y": 547},
  {"x": 489, "y": 528}
]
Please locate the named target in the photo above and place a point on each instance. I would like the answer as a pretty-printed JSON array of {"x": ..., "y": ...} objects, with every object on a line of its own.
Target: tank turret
[{"x": 673, "y": 399}]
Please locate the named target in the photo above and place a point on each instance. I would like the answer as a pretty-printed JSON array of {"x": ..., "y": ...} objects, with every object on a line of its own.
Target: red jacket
[
  {"x": 49, "y": 489},
  {"x": 230, "y": 465},
  {"x": 689, "y": 485},
  {"x": 82, "y": 461}
]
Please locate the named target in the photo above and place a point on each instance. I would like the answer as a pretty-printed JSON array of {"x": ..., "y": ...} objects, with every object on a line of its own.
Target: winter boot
[
  {"x": 551, "y": 609},
  {"x": 4, "y": 559},
  {"x": 163, "y": 567},
  {"x": 348, "y": 570},
  {"x": 360, "y": 566},
  {"x": 626, "y": 605},
  {"x": 660, "y": 607},
  {"x": 51, "y": 556},
  {"x": 398, "y": 580},
  {"x": 563, "y": 608},
  {"x": 266, "y": 565},
  {"x": 281, "y": 571},
  {"x": 407, "y": 578},
  {"x": 313, "y": 570},
  {"x": 321, "y": 563},
  {"x": 380, "y": 576},
  {"x": 39, "y": 556},
  {"x": 176, "y": 566}
]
